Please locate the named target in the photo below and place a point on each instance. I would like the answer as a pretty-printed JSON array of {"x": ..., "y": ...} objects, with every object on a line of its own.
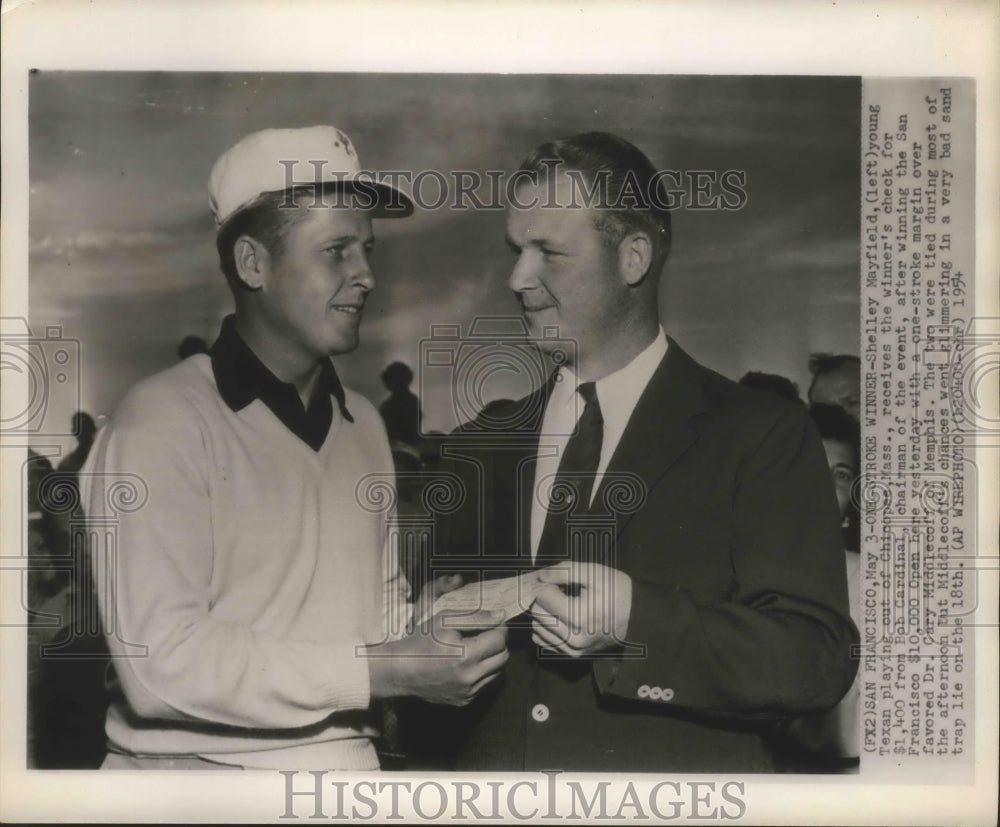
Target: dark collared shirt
[{"x": 241, "y": 378}]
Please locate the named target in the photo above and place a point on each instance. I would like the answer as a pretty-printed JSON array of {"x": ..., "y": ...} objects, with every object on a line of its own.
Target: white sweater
[{"x": 251, "y": 576}]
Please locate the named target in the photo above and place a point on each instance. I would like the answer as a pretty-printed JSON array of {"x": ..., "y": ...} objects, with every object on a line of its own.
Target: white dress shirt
[{"x": 617, "y": 394}]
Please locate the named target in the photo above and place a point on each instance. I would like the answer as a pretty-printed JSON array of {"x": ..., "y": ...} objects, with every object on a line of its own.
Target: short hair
[
  {"x": 837, "y": 425},
  {"x": 635, "y": 198},
  {"x": 773, "y": 383},
  {"x": 823, "y": 363},
  {"x": 397, "y": 374},
  {"x": 268, "y": 218}
]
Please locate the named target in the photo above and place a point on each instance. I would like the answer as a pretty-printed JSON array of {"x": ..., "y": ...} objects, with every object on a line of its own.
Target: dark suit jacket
[{"x": 739, "y": 614}]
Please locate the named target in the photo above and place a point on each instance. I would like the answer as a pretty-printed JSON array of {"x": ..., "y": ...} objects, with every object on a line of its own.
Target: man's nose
[
  {"x": 523, "y": 276},
  {"x": 362, "y": 275}
]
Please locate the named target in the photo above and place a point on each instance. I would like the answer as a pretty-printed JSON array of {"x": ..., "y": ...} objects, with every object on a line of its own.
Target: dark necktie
[{"x": 569, "y": 496}]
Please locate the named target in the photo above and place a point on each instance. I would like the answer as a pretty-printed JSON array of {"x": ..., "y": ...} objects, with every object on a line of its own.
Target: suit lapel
[{"x": 667, "y": 420}]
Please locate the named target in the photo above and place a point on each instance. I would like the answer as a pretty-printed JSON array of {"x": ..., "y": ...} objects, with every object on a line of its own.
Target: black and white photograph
[
  {"x": 387, "y": 440},
  {"x": 764, "y": 282}
]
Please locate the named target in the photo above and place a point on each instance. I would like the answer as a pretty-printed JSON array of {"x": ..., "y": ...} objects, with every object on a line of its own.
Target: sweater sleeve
[
  {"x": 397, "y": 610},
  {"x": 173, "y": 658}
]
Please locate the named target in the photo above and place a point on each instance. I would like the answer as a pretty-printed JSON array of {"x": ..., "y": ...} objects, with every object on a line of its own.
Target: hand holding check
[
  {"x": 444, "y": 659},
  {"x": 577, "y": 608},
  {"x": 581, "y": 608}
]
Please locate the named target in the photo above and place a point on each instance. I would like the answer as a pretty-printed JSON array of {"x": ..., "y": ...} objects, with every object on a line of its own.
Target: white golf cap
[{"x": 275, "y": 160}]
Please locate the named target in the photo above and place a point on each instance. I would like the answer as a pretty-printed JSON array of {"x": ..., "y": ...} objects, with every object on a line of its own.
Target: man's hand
[
  {"x": 432, "y": 591},
  {"x": 584, "y": 608},
  {"x": 439, "y": 664}
]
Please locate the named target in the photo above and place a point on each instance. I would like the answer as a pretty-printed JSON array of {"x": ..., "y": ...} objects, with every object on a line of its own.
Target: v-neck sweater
[{"x": 244, "y": 574}]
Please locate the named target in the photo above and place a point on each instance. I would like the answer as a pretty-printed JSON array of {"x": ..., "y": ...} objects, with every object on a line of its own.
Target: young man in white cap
[{"x": 256, "y": 584}]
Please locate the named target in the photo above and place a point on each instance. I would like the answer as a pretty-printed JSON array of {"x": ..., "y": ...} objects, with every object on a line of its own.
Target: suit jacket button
[
  {"x": 540, "y": 712},
  {"x": 655, "y": 693},
  {"x": 643, "y": 691},
  {"x": 668, "y": 694}
]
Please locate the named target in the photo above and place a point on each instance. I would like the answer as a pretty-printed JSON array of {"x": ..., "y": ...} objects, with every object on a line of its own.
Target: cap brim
[{"x": 380, "y": 199}]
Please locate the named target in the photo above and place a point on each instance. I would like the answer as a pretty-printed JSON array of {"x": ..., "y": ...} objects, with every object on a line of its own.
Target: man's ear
[
  {"x": 252, "y": 261},
  {"x": 635, "y": 255}
]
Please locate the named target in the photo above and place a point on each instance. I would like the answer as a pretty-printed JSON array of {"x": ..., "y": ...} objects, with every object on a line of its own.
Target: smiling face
[
  {"x": 312, "y": 290},
  {"x": 565, "y": 275}
]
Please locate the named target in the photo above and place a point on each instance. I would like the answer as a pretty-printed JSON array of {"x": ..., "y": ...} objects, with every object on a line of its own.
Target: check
[{"x": 509, "y": 595}]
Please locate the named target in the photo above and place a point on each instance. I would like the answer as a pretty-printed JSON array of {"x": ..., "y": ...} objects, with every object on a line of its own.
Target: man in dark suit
[{"x": 689, "y": 592}]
